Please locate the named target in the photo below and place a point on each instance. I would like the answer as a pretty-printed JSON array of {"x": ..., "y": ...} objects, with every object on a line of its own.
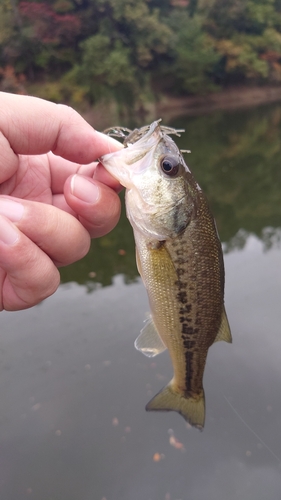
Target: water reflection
[
  {"x": 108, "y": 256},
  {"x": 236, "y": 159},
  {"x": 270, "y": 238},
  {"x": 73, "y": 389}
]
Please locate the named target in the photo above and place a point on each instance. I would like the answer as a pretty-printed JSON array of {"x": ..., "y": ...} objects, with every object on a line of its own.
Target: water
[{"x": 73, "y": 389}]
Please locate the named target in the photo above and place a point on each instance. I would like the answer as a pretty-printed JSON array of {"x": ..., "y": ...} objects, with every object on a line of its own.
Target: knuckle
[
  {"x": 77, "y": 242},
  {"x": 44, "y": 282},
  {"x": 33, "y": 278}
]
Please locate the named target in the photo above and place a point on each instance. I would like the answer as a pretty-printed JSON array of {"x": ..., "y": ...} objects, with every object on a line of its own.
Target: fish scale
[{"x": 180, "y": 260}]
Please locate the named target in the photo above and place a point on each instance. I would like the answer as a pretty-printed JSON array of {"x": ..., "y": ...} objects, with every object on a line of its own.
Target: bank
[{"x": 167, "y": 107}]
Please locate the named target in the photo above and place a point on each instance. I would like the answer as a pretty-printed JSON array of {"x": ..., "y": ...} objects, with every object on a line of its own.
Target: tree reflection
[
  {"x": 108, "y": 256},
  {"x": 236, "y": 159}
]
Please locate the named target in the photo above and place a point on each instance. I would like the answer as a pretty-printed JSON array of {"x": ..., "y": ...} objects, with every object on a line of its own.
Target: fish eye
[{"x": 170, "y": 166}]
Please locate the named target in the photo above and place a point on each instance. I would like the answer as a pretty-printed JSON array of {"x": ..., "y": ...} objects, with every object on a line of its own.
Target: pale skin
[{"x": 54, "y": 196}]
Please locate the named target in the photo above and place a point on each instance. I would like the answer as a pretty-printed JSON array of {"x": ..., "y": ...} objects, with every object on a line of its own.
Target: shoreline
[
  {"x": 227, "y": 99},
  {"x": 105, "y": 115}
]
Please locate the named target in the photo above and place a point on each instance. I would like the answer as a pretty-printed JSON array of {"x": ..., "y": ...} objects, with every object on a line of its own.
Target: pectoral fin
[
  {"x": 224, "y": 330},
  {"x": 138, "y": 262},
  {"x": 149, "y": 342}
]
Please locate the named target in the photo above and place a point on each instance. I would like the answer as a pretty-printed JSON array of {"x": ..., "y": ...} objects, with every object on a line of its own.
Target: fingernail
[
  {"x": 11, "y": 209},
  {"x": 84, "y": 189},
  {"x": 8, "y": 233}
]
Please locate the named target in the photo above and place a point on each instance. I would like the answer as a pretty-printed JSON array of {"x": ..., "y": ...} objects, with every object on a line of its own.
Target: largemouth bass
[{"x": 179, "y": 258}]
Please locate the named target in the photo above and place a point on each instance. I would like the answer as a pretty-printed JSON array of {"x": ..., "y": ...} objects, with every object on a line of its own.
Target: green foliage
[
  {"x": 247, "y": 36},
  {"x": 105, "y": 69},
  {"x": 261, "y": 14},
  {"x": 127, "y": 50},
  {"x": 6, "y": 21},
  {"x": 193, "y": 56},
  {"x": 117, "y": 59}
]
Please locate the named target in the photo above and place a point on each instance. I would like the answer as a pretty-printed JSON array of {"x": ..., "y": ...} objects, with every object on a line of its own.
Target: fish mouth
[{"x": 128, "y": 162}]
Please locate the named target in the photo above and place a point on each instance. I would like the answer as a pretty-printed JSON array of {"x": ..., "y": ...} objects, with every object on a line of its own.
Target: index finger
[{"x": 29, "y": 125}]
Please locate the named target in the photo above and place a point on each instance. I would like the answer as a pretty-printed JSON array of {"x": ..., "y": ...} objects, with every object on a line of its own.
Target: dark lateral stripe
[
  {"x": 182, "y": 297},
  {"x": 189, "y": 343},
  {"x": 185, "y": 309},
  {"x": 188, "y": 370}
]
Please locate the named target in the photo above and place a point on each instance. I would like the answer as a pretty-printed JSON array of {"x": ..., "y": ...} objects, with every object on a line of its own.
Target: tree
[
  {"x": 192, "y": 56},
  {"x": 117, "y": 58},
  {"x": 246, "y": 34}
]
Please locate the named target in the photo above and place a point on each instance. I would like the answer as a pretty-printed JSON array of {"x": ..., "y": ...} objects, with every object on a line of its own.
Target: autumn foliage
[
  {"x": 48, "y": 26},
  {"x": 129, "y": 50}
]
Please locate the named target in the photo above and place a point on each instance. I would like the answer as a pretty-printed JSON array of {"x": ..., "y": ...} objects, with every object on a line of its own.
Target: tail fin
[{"x": 192, "y": 409}]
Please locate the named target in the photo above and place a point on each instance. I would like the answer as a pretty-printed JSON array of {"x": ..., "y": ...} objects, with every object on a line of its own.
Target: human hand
[{"x": 53, "y": 198}]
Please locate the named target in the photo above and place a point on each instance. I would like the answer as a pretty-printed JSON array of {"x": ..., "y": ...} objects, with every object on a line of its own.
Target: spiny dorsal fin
[
  {"x": 224, "y": 329},
  {"x": 149, "y": 342}
]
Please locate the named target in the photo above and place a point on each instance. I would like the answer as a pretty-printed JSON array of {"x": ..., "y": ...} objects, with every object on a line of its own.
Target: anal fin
[
  {"x": 149, "y": 341},
  {"x": 224, "y": 329}
]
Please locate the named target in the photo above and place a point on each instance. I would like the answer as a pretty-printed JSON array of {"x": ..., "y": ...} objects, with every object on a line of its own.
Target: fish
[{"x": 179, "y": 258}]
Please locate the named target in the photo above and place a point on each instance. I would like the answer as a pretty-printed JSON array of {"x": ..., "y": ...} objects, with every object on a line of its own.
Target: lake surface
[{"x": 73, "y": 389}]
